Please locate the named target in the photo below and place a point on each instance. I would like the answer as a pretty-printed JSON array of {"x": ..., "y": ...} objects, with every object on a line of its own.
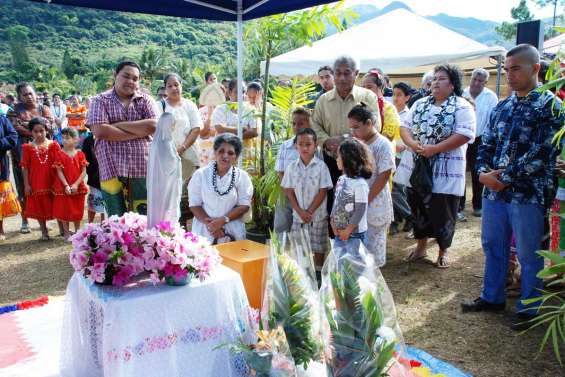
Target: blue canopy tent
[{"x": 219, "y": 10}]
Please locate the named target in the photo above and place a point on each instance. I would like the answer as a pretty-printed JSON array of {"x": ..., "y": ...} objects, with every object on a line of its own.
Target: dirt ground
[{"x": 427, "y": 300}]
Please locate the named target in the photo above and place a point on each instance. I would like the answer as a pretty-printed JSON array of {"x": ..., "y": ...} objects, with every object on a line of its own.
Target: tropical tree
[
  {"x": 153, "y": 62},
  {"x": 520, "y": 13},
  {"x": 269, "y": 36},
  {"x": 555, "y": 3},
  {"x": 18, "y": 40}
]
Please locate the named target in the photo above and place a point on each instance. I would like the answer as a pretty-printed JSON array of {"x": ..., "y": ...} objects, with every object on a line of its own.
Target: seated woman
[{"x": 220, "y": 194}]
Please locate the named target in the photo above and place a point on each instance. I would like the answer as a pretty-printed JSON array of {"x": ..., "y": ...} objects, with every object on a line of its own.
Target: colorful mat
[{"x": 30, "y": 343}]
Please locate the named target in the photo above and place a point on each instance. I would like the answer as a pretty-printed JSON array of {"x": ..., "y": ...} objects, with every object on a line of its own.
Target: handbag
[{"x": 421, "y": 179}]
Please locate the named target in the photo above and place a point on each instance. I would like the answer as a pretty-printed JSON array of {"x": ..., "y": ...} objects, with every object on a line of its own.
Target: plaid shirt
[{"x": 121, "y": 158}]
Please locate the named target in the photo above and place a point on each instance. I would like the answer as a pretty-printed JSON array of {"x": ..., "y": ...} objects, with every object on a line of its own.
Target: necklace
[
  {"x": 41, "y": 161},
  {"x": 215, "y": 179}
]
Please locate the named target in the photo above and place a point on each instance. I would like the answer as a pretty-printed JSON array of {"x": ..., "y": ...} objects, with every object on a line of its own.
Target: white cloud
[{"x": 497, "y": 10}]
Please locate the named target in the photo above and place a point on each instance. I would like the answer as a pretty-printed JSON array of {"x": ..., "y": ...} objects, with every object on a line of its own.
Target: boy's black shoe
[{"x": 480, "y": 305}]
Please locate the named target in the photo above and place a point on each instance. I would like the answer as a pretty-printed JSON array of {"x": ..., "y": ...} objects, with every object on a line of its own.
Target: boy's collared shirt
[
  {"x": 288, "y": 154},
  {"x": 306, "y": 181}
]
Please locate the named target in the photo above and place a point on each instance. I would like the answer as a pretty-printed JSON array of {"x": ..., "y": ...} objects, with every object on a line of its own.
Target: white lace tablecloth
[{"x": 145, "y": 330}]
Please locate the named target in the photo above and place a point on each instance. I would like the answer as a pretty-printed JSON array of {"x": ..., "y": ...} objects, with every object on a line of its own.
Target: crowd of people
[{"x": 364, "y": 162}]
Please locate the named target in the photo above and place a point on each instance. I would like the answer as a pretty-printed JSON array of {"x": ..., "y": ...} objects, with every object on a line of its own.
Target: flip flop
[
  {"x": 413, "y": 257},
  {"x": 442, "y": 262}
]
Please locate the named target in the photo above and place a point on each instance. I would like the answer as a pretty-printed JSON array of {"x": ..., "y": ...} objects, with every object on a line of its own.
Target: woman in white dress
[
  {"x": 185, "y": 131},
  {"x": 220, "y": 194}
]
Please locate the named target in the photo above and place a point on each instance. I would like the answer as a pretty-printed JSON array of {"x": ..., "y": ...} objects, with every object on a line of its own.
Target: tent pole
[
  {"x": 239, "y": 71},
  {"x": 498, "y": 73}
]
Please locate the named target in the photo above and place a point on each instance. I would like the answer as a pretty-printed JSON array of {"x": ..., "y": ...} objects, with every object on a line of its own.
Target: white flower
[
  {"x": 387, "y": 334},
  {"x": 365, "y": 286}
]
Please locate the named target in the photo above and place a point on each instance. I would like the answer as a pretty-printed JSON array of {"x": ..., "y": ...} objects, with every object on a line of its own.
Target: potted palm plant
[{"x": 267, "y": 186}]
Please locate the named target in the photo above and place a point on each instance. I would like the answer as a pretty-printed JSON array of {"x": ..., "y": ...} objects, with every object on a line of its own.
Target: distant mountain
[{"x": 479, "y": 30}]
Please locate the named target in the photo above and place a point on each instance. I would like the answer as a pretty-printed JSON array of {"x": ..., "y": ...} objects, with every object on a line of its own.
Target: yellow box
[{"x": 249, "y": 259}]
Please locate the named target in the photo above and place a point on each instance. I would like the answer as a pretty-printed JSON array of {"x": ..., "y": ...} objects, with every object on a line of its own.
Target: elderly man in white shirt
[{"x": 485, "y": 100}]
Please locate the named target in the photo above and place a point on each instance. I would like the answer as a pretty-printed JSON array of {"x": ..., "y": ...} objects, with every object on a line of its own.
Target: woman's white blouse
[{"x": 201, "y": 193}]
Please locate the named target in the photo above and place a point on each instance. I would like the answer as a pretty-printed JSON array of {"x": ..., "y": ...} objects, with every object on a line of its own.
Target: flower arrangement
[
  {"x": 292, "y": 304},
  {"x": 268, "y": 357},
  {"x": 123, "y": 247},
  {"x": 179, "y": 255},
  {"x": 111, "y": 252},
  {"x": 361, "y": 342}
]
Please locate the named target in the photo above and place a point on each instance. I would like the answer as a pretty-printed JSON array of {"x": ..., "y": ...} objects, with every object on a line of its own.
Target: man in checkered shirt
[{"x": 122, "y": 120}]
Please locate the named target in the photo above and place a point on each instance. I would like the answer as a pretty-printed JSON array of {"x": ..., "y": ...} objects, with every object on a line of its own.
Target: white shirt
[
  {"x": 288, "y": 154},
  {"x": 306, "y": 181},
  {"x": 187, "y": 117},
  {"x": 224, "y": 116},
  {"x": 484, "y": 103},
  {"x": 449, "y": 167},
  {"x": 349, "y": 191},
  {"x": 201, "y": 193},
  {"x": 380, "y": 211},
  {"x": 60, "y": 112}
]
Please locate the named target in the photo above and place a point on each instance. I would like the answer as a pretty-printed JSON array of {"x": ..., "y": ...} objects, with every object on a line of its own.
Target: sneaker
[
  {"x": 461, "y": 217},
  {"x": 522, "y": 321},
  {"x": 25, "y": 229},
  {"x": 480, "y": 305}
]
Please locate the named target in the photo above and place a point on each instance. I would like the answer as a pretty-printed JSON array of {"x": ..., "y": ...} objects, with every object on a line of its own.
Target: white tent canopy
[{"x": 395, "y": 40}]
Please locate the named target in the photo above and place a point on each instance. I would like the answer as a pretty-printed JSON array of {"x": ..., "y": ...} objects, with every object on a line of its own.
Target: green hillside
[{"x": 96, "y": 39}]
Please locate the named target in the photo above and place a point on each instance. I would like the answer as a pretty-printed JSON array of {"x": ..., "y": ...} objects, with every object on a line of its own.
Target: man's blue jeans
[{"x": 499, "y": 221}]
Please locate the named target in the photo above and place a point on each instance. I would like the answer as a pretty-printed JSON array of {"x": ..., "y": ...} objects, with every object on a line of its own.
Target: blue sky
[{"x": 495, "y": 10}]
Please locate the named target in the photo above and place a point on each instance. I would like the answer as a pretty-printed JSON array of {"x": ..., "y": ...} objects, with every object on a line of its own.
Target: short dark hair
[
  {"x": 306, "y": 131},
  {"x": 301, "y": 111},
  {"x": 169, "y": 75},
  {"x": 455, "y": 76},
  {"x": 232, "y": 85},
  {"x": 127, "y": 63},
  {"x": 528, "y": 50},
  {"x": 404, "y": 87},
  {"x": 326, "y": 68},
  {"x": 356, "y": 159},
  {"x": 226, "y": 80},
  {"x": 362, "y": 113},
  {"x": 55, "y": 94},
  {"x": 255, "y": 85},
  {"x": 35, "y": 121},
  {"x": 207, "y": 75},
  {"x": 232, "y": 140},
  {"x": 21, "y": 85},
  {"x": 70, "y": 131},
  {"x": 544, "y": 67}
]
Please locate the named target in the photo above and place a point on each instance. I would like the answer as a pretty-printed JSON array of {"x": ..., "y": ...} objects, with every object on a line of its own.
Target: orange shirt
[{"x": 77, "y": 122}]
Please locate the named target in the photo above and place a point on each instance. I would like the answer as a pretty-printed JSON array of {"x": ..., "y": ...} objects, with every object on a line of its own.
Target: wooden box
[{"x": 249, "y": 259}]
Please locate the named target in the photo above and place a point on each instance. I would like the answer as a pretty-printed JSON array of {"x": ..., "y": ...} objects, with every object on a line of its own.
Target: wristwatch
[{"x": 226, "y": 219}]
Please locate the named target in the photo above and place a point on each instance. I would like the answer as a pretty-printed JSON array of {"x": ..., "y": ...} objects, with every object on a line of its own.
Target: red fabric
[
  {"x": 69, "y": 207},
  {"x": 37, "y": 162},
  {"x": 43, "y": 300},
  {"x": 381, "y": 102}
]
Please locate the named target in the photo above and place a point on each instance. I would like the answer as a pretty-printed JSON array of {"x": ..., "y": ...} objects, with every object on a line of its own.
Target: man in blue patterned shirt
[{"x": 516, "y": 163}]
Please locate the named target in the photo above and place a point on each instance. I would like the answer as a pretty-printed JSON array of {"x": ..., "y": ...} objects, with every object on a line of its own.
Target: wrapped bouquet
[{"x": 362, "y": 328}]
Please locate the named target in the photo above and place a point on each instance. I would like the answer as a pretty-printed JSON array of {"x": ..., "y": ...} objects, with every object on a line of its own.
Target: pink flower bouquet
[
  {"x": 111, "y": 252},
  {"x": 179, "y": 255}
]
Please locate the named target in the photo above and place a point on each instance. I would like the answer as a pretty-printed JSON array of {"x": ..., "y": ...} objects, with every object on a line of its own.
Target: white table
[{"x": 145, "y": 330}]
